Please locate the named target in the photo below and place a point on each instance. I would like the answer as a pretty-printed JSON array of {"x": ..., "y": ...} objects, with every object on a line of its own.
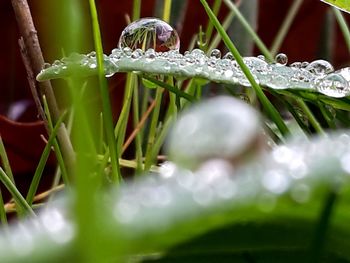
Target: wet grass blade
[{"x": 270, "y": 109}]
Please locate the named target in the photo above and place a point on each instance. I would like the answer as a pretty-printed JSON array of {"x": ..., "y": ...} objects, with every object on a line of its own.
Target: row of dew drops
[{"x": 161, "y": 56}]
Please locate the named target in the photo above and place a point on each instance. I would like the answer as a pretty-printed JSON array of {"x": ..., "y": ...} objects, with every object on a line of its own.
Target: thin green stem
[
  {"x": 293, "y": 10},
  {"x": 3, "y": 217},
  {"x": 55, "y": 144},
  {"x": 210, "y": 27},
  {"x": 153, "y": 129},
  {"x": 43, "y": 159},
  {"x": 5, "y": 160},
  {"x": 217, "y": 37},
  {"x": 313, "y": 121},
  {"x": 106, "y": 104},
  {"x": 167, "y": 10},
  {"x": 136, "y": 120},
  {"x": 20, "y": 201},
  {"x": 270, "y": 109},
  {"x": 343, "y": 26},
  {"x": 170, "y": 88},
  {"x": 120, "y": 128},
  {"x": 250, "y": 30},
  {"x": 136, "y": 9}
]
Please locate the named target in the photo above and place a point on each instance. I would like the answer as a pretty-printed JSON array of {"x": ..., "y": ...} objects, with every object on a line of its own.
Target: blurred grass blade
[
  {"x": 19, "y": 199},
  {"x": 270, "y": 109},
  {"x": 246, "y": 25},
  {"x": 292, "y": 12},
  {"x": 58, "y": 152},
  {"x": 343, "y": 26},
  {"x": 343, "y": 5},
  {"x": 43, "y": 159},
  {"x": 106, "y": 104}
]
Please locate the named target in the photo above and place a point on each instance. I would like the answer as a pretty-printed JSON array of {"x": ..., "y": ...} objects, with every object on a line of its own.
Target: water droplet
[
  {"x": 281, "y": 58},
  {"x": 127, "y": 51},
  {"x": 333, "y": 85},
  {"x": 92, "y": 54},
  {"x": 215, "y": 53},
  {"x": 278, "y": 82},
  {"x": 93, "y": 65},
  {"x": 296, "y": 65},
  {"x": 229, "y": 56},
  {"x": 137, "y": 54},
  {"x": 275, "y": 181},
  {"x": 150, "y": 54},
  {"x": 320, "y": 67},
  {"x": 149, "y": 33},
  {"x": 262, "y": 57},
  {"x": 304, "y": 64}
]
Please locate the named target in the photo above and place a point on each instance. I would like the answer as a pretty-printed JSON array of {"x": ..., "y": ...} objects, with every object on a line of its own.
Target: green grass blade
[
  {"x": 106, "y": 104},
  {"x": 170, "y": 88},
  {"x": 153, "y": 129},
  {"x": 55, "y": 145},
  {"x": 3, "y": 217},
  {"x": 343, "y": 27},
  {"x": 5, "y": 160},
  {"x": 136, "y": 9},
  {"x": 19, "y": 199},
  {"x": 270, "y": 109},
  {"x": 43, "y": 159}
]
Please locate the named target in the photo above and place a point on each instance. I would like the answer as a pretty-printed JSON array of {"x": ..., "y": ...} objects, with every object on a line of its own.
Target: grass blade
[
  {"x": 106, "y": 104},
  {"x": 270, "y": 109},
  {"x": 43, "y": 159},
  {"x": 19, "y": 199}
]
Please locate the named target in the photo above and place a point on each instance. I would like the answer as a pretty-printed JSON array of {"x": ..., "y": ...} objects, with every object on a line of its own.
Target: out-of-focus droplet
[
  {"x": 149, "y": 33},
  {"x": 281, "y": 58},
  {"x": 262, "y": 57}
]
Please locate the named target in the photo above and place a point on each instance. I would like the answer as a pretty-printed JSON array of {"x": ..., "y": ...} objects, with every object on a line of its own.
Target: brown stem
[
  {"x": 139, "y": 126},
  {"x": 36, "y": 63}
]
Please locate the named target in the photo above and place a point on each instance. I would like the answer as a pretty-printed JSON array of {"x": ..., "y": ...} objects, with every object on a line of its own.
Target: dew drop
[
  {"x": 296, "y": 65},
  {"x": 150, "y": 54},
  {"x": 215, "y": 53},
  {"x": 137, "y": 54},
  {"x": 320, "y": 67},
  {"x": 333, "y": 85},
  {"x": 229, "y": 56},
  {"x": 304, "y": 64},
  {"x": 281, "y": 58},
  {"x": 148, "y": 33},
  {"x": 262, "y": 57}
]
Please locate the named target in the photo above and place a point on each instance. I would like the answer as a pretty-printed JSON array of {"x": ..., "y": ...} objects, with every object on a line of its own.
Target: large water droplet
[
  {"x": 333, "y": 85},
  {"x": 149, "y": 33},
  {"x": 320, "y": 67},
  {"x": 281, "y": 58}
]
